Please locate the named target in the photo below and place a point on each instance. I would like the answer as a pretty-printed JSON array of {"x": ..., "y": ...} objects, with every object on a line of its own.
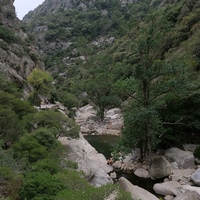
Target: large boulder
[
  {"x": 166, "y": 188},
  {"x": 142, "y": 173},
  {"x": 183, "y": 176},
  {"x": 92, "y": 163},
  {"x": 136, "y": 192},
  {"x": 160, "y": 168},
  {"x": 188, "y": 195},
  {"x": 190, "y": 188},
  {"x": 196, "y": 177},
  {"x": 185, "y": 159}
]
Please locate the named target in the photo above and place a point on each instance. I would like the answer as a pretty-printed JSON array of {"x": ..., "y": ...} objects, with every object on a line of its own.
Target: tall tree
[
  {"x": 153, "y": 80},
  {"x": 99, "y": 83},
  {"x": 41, "y": 82}
]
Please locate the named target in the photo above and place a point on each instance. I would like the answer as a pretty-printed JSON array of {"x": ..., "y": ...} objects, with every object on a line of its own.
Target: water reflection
[{"x": 102, "y": 143}]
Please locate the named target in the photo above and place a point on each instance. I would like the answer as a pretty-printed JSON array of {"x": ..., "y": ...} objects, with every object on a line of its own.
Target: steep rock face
[
  {"x": 50, "y": 7},
  {"x": 41, "y": 26},
  {"x": 18, "y": 57},
  {"x": 93, "y": 164}
]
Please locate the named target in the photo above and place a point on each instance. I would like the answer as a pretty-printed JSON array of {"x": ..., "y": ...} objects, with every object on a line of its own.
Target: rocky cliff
[
  {"x": 51, "y": 6},
  {"x": 18, "y": 55}
]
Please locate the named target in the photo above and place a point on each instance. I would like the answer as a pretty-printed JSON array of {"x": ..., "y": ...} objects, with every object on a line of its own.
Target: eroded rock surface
[
  {"x": 90, "y": 123},
  {"x": 92, "y": 163},
  {"x": 136, "y": 192},
  {"x": 185, "y": 159},
  {"x": 160, "y": 168}
]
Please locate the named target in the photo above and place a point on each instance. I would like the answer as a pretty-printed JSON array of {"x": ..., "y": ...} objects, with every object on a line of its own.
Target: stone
[
  {"x": 191, "y": 188},
  {"x": 188, "y": 195},
  {"x": 90, "y": 123},
  {"x": 174, "y": 165},
  {"x": 92, "y": 163},
  {"x": 117, "y": 164},
  {"x": 190, "y": 147},
  {"x": 166, "y": 188},
  {"x": 160, "y": 168},
  {"x": 142, "y": 173},
  {"x": 113, "y": 175},
  {"x": 185, "y": 159},
  {"x": 196, "y": 177},
  {"x": 168, "y": 197},
  {"x": 181, "y": 175},
  {"x": 136, "y": 192}
]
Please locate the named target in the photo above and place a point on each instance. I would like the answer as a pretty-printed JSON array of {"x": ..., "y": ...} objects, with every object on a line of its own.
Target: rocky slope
[
  {"x": 18, "y": 55},
  {"x": 92, "y": 163}
]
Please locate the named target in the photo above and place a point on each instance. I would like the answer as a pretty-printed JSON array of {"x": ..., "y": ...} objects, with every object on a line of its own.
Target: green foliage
[
  {"x": 70, "y": 164},
  {"x": 45, "y": 165},
  {"x": 69, "y": 100},
  {"x": 9, "y": 183},
  {"x": 142, "y": 128},
  {"x": 45, "y": 137},
  {"x": 41, "y": 82},
  {"x": 28, "y": 147},
  {"x": 40, "y": 185},
  {"x": 11, "y": 127},
  {"x": 124, "y": 88},
  {"x": 7, "y": 35},
  {"x": 56, "y": 122},
  {"x": 12, "y": 110},
  {"x": 21, "y": 108}
]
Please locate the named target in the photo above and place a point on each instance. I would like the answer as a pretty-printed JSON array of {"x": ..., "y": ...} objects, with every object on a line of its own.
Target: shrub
[
  {"x": 40, "y": 186},
  {"x": 28, "y": 147},
  {"x": 46, "y": 165},
  {"x": 7, "y": 35},
  {"x": 45, "y": 137}
]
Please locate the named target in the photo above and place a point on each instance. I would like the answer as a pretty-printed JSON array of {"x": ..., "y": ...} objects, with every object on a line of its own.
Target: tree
[
  {"x": 41, "y": 82},
  {"x": 40, "y": 185},
  {"x": 11, "y": 128},
  {"x": 54, "y": 121},
  {"x": 29, "y": 148},
  {"x": 99, "y": 83},
  {"x": 153, "y": 80}
]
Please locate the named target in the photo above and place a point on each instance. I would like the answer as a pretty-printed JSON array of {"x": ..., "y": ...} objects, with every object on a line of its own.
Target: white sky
[{"x": 22, "y": 7}]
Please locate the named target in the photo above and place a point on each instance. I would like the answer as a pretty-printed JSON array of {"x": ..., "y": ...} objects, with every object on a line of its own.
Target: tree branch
[{"x": 174, "y": 123}]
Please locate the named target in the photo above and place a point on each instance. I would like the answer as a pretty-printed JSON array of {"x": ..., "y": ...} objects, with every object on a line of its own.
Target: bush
[
  {"x": 7, "y": 35},
  {"x": 46, "y": 165},
  {"x": 45, "y": 137},
  {"x": 28, "y": 147},
  {"x": 40, "y": 186},
  {"x": 9, "y": 183}
]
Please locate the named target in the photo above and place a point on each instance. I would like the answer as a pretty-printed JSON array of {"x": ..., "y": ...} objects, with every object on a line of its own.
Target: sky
[{"x": 22, "y": 7}]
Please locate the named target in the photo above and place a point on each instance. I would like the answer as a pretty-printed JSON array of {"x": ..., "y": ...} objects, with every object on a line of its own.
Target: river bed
[{"x": 104, "y": 144}]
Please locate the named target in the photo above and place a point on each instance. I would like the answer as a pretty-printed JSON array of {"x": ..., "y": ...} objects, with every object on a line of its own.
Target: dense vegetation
[
  {"x": 33, "y": 163},
  {"x": 150, "y": 68},
  {"x": 143, "y": 57}
]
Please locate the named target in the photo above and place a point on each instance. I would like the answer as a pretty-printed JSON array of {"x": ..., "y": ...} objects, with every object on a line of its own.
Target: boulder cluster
[{"x": 177, "y": 168}]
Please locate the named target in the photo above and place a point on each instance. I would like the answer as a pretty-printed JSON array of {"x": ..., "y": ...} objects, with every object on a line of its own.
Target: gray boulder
[
  {"x": 196, "y": 177},
  {"x": 92, "y": 163},
  {"x": 142, "y": 173},
  {"x": 188, "y": 195},
  {"x": 166, "y": 188},
  {"x": 136, "y": 192},
  {"x": 160, "y": 168},
  {"x": 182, "y": 176},
  {"x": 185, "y": 159}
]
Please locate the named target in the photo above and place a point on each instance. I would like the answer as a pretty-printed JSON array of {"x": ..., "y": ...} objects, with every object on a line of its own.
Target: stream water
[{"x": 104, "y": 144}]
